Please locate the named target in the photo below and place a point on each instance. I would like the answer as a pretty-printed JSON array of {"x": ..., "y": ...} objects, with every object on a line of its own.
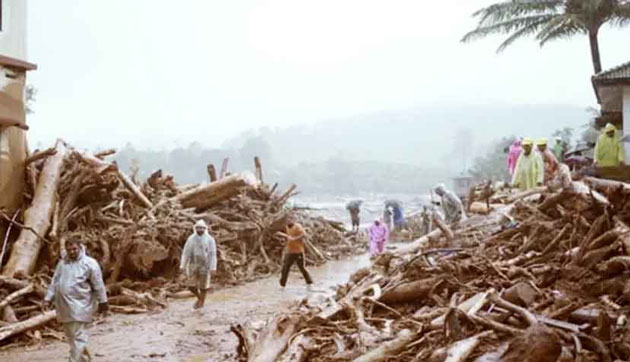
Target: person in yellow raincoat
[
  {"x": 609, "y": 150},
  {"x": 529, "y": 171}
]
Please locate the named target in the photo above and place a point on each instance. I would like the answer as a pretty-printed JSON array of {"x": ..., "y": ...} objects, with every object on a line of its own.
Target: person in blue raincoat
[
  {"x": 77, "y": 291},
  {"x": 399, "y": 217}
]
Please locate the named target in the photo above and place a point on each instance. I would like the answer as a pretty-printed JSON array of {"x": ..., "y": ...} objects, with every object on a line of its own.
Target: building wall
[
  {"x": 13, "y": 33},
  {"x": 12, "y": 156},
  {"x": 625, "y": 109},
  {"x": 12, "y": 139}
]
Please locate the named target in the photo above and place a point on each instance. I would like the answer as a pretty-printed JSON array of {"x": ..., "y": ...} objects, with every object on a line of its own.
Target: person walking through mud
[
  {"x": 354, "y": 208},
  {"x": 295, "y": 254},
  {"x": 199, "y": 261},
  {"x": 76, "y": 287},
  {"x": 379, "y": 235},
  {"x": 354, "y": 218}
]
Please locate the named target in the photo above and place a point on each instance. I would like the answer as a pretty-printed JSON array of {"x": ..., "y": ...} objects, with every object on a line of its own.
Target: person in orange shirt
[
  {"x": 295, "y": 254},
  {"x": 549, "y": 159}
]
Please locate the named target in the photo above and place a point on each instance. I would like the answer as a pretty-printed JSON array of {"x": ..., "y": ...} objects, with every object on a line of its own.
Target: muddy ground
[{"x": 181, "y": 334}]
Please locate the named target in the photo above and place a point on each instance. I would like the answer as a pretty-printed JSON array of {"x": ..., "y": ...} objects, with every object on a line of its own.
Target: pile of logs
[
  {"x": 544, "y": 277},
  {"x": 136, "y": 232}
]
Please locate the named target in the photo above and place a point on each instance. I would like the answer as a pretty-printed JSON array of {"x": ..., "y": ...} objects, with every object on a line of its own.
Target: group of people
[
  {"x": 379, "y": 231},
  {"x": 530, "y": 168},
  {"x": 77, "y": 290}
]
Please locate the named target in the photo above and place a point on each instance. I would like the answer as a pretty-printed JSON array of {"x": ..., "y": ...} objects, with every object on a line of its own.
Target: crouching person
[{"x": 77, "y": 291}]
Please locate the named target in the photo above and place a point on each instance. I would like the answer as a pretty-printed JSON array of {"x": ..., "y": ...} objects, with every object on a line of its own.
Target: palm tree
[{"x": 550, "y": 20}]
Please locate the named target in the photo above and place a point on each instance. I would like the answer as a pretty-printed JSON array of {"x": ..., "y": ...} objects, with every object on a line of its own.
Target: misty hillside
[
  {"x": 383, "y": 152},
  {"x": 432, "y": 138}
]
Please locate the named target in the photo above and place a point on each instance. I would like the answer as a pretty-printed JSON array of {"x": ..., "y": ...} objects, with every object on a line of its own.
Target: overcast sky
[{"x": 163, "y": 73}]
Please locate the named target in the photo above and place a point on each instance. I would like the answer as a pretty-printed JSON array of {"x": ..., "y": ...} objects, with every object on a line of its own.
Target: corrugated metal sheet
[{"x": 620, "y": 72}]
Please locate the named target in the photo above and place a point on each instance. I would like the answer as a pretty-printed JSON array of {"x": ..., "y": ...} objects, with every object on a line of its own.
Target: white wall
[
  {"x": 13, "y": 34},
  {"x": 625, "y": 104}
]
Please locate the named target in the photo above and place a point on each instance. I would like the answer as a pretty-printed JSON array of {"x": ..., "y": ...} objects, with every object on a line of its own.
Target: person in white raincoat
[
  {"x": 451, "y": 204},
  {"x": 199, "y": 261},
  {"x": 75, "y": 289}
]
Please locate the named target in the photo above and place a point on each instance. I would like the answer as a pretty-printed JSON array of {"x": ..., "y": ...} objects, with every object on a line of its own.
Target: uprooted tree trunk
[
  {"x": 207, "y": 195},
  {"x": 30, "y": 323},
  {"x": 37, "y": 217},
  {"x": 538, "y": 344},
  {"x": 273, "y": 340},
  {"x": 388, "y": 349},
  {"x": 417, "y": 244},
  {"x": 408, "y": 292}
]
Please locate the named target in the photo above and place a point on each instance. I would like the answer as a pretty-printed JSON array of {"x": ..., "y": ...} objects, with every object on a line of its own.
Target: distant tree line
[{"x": 335, "y": 175}]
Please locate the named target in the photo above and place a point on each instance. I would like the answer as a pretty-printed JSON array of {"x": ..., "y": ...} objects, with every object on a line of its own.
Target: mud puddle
[{"x": 180, "y": 334}]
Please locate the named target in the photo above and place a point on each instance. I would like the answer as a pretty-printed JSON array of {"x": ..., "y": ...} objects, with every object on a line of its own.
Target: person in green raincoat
[
  {"x": 558, "y": 150},
  {"x": 609, "y": 150},
  {"x": 529, "y": 170}
]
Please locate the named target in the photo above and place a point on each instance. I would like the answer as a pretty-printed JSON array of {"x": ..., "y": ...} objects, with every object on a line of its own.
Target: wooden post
[
  {"x": 259, "y": 173},
  {"x": 212, "y": 172},
  {"x": 224, "y": 167}
]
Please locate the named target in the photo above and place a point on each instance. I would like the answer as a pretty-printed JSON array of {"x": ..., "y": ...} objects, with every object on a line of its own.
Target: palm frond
[
  {"x": 507, "y": 10},
  {"x": 561, "y": 27},
  {"x": 521, "y": 33},
  {"x": 621, "y": 15},
  {"x": 532, "y": 22}
]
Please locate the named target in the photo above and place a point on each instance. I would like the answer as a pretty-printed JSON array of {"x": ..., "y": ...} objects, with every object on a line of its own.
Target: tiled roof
[
  {"x": 621, "y": 72},
  {"x": 12, "y": 62}
]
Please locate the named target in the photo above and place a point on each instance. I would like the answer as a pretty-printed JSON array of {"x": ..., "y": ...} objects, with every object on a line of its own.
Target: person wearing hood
[
  {"x": 609, "y": 151},
  {"x": 529, "y": 171},
  {"x": 199, "y": 261},
  {"x": 549, "y": 160},
  {"x": 379, "y": 235},
  {"x": 77, "y": 291},
  {"x": 513, "y": 153},
  {"x": 451, "y": 204}
]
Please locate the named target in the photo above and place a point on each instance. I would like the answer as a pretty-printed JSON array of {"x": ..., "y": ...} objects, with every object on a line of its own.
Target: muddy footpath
[{"x": 180, "y": 334}]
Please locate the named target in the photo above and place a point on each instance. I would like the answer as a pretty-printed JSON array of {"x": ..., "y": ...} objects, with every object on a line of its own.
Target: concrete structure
[
  {"x": 13, "y": 68},
  {"x": 612, "y": 88}
]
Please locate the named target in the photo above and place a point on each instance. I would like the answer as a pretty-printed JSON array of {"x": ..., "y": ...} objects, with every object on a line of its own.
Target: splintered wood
[
  {"x": 546, "y": 278},
  {"x": 136, "y": 232}
]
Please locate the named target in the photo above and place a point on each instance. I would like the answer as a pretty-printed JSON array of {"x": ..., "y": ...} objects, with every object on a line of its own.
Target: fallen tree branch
[
  {"x": 15, "y": 295},
  {"x": 30, "y": 323}
]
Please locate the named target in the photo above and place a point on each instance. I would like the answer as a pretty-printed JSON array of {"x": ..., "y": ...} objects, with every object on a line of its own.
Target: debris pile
[
  {"x": 544, "y": 277},
  {"x": 136, "y": 233}
]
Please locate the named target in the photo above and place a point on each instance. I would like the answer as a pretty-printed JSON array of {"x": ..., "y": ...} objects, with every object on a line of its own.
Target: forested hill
[{"x": 398, "y": 151}]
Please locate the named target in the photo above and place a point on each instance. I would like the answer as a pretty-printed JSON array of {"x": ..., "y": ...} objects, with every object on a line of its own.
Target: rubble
[
  {"x": 542, "y": 277},
  {"x": 136, "y": 232}
]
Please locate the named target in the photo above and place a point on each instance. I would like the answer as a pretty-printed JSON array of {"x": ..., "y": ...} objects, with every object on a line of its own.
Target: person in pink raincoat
[
  {"x": 379, "y": 235},
  {"x": 515, "y": 151}
]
